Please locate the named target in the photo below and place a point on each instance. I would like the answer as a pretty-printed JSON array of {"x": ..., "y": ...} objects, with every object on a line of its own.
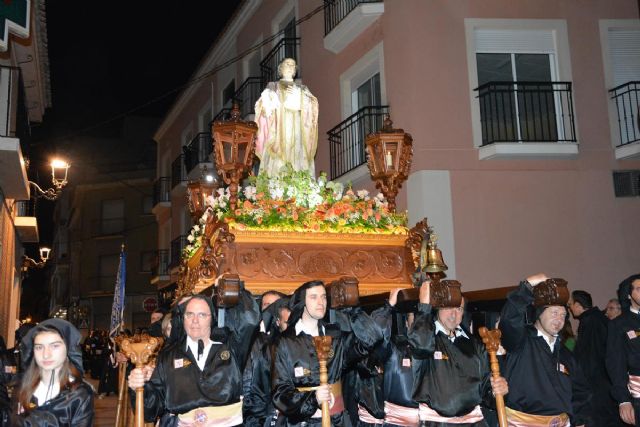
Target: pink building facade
[{"x": 524, "y": 117}]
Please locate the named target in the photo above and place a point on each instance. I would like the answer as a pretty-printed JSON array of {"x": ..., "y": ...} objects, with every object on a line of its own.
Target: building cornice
[{"x": 213, "y": 56}]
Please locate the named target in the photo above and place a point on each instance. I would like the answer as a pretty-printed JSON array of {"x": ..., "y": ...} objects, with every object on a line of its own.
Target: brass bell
[{"x": 435, "y": 263}]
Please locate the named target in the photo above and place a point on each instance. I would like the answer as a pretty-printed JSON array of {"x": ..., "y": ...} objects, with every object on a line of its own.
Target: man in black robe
[
  {"x": 297, "y": 393},
  {"x": 546, "y": 385},
  {"x": 590, "y": 352},
  {"x": 450, "y": 366},
  {"x": 257, "y": 404},
  {"x": 623, "y": 352},
  {"x": 198, "y": 379}
]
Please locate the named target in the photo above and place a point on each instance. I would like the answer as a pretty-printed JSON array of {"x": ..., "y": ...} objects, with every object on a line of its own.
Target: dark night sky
[{"x": 107, "y": 58}]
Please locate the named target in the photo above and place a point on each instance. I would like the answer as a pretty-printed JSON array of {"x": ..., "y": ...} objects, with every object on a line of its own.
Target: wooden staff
[
  {"x": 122, "y": 385},
  {"x": 491, "y": 340},
  {"x": 323, "y": 348},
  {"x": 139, "y": 349}
]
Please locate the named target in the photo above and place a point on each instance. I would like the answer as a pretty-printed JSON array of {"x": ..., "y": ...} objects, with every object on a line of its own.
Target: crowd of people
[{"x": 391, "y": 367}]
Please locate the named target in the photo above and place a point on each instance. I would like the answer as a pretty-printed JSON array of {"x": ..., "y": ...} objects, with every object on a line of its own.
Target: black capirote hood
[{"x": 67, "y": 331}]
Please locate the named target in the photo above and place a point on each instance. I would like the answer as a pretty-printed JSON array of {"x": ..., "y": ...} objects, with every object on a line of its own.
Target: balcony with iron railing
[
  {"x": 198, "y": 152},
  {"x": 108, "y": 227},
  {"x": 247, "y": 95},
  {"x": 26, "y": 222},
  {"x": 160, "y": 267},
  {"x": 347, "y": 148},
  {"x": 176, "y": 247},
  {"x": 224, "y": 114},
  {"x": 626, "y": 101},
  {"x": 285, "y": 48},
  {"x": 178, "y": 172},
  {"x": 162, "y": 192},
  {"x": 528, "y": 114},
  {"x": 344, "y": 20}
]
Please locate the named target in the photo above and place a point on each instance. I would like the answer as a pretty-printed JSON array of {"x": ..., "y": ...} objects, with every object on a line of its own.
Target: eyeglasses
[{"x": 201, "y": 316}]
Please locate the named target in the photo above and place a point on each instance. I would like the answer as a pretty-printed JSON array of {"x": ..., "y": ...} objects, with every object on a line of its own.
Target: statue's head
[{"x": 287, "y": 68}]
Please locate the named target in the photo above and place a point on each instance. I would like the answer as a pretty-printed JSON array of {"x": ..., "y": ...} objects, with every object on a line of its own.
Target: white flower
[
  {"x": 190, "y": 238},
  {"x": 380, "y": 196},
  {"x": 220, "y": 192},
  {"x": 196, "y": 228},
  {"x": 250, "y": 193},
  {"x": 362, "y": 194}
]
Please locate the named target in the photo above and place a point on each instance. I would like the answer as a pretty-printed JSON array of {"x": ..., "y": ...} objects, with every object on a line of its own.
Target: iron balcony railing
[
  {"x": 224, "y": 114},
  {"x": 285, "y": 48},
  {"x": 108, "y": 227},
  {"x": 627, "y": 100},
  {"x": 247, "y": 95},
  {"x": 161, "y": 189},
  {"x": 26, "y": 208},
  {"x": 336, "y": 10},
  {"x": 198, "y": 151},
  {"x": 160, "y": 265},
  {"x": 178, "y": 171},
  {"x": 177, "y": 245},
  {"x": 526, "y": 112},
  {"x": 347, "y": 150}
]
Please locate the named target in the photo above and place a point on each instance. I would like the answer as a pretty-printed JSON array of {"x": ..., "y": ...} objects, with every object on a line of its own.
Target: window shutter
[
  {"x": 514, "y": 41},
  {"x": 624, "y": 48}
]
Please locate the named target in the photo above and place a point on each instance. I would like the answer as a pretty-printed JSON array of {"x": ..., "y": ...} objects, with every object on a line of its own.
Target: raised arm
[
  {"x": 514, "y": 313},
  {"x": 421, "y": 334}
]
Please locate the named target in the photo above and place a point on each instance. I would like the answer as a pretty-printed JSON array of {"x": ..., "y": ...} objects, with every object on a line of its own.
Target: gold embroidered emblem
[
  {"x": 186, "y": 363},
  {"x": 306, "y": 372},
  {"x": 225, "y": 355}
]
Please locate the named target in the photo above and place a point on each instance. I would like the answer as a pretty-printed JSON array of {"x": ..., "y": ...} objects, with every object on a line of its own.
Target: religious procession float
[{"x": 284, "y": 226}]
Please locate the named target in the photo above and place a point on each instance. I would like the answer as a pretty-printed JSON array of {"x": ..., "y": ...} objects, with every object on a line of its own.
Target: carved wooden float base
[{"x": 268, "y": 260}]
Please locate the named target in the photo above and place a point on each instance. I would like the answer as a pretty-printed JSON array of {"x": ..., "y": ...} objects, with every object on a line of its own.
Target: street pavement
[{"x": 105, "y": 408}]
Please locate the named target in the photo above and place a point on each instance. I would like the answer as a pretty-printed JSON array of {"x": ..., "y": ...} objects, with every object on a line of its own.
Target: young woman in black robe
[{"x": 51, "y": 391}]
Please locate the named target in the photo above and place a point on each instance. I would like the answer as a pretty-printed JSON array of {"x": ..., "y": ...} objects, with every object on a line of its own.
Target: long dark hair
[{"x": 69, "y": 376}]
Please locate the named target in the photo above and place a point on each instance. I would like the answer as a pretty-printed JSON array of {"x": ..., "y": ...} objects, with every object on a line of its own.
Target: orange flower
[
  {"x": 259, "y": 220},
  {"x": 294, "y": 215},
  {"x": 260, "y": 196},
  {"x": 238, "y": 212},
  {"x": 248, "y": 205},
  {"x": 315, "y": 226},
  {"x": 378, "y": 216}
]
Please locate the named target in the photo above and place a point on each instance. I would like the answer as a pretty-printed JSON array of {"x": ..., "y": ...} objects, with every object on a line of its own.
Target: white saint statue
[{"x": 287, "y": 117}]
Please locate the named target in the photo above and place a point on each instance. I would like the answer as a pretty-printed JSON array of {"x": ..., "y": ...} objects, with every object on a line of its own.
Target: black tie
[{"x": 200, "y": 348}]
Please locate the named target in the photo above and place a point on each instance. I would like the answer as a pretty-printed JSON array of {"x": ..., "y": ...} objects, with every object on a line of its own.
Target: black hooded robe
[
  {"x": 452, "y": 378},
  {"x": 178, "y": 386},
  {"x": 73, "y": 406}
]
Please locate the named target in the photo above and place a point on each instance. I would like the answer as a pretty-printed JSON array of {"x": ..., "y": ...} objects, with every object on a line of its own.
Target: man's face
[
  {"x": 575, "y": 309},
  {"x": 267, "y": 300},
  {"x": 315, "y": 302},
  {"x": 283, "y": 321},
  {"x": 613, "y": 310},
  {"x": 451, "y": 318},
  {"x": 49, "y": 351},
  {"x": 197, "y": 319},
  {"x": 155, "y": 317},
  {"x": 635, "y": 294},
  {"x": 552, "y": 320}
]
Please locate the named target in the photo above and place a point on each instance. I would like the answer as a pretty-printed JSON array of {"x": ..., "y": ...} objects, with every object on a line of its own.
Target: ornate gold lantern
[
  {"x": 197, "y": 193},
  {"x": 390, "y": 153},
  {"x": 234, "y": 147}
]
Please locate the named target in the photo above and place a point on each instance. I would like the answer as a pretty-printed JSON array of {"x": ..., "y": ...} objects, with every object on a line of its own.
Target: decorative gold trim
[{"x": 343, "y": 239}]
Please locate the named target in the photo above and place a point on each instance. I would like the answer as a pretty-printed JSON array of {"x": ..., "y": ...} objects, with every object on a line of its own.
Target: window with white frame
[
  {"x": 621, "y": 49},
  {"x": 520, "y": 73},
  {"x": 363, "y": 108}
]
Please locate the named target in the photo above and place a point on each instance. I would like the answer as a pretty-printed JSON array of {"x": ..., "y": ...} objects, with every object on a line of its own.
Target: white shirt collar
[
  {"x": 193, "y": 345},
  {"x": 634, "y": 310},
  {"x": 457, "y": 332},
  {"x": 551, "y": 341},
  {"x": 300, "y": 327}
]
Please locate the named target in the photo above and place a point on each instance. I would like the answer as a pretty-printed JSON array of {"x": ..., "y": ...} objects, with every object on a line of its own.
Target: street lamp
[
  {"x": 390, "y": 153},
  {"x": 28, "y": 262},
  {"x": 59, "y": 170},
  {"x": 234, "y": 145}
]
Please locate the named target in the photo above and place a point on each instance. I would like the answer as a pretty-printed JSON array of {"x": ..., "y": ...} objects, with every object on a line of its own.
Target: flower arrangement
[{"x": 296, "y": 201}]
